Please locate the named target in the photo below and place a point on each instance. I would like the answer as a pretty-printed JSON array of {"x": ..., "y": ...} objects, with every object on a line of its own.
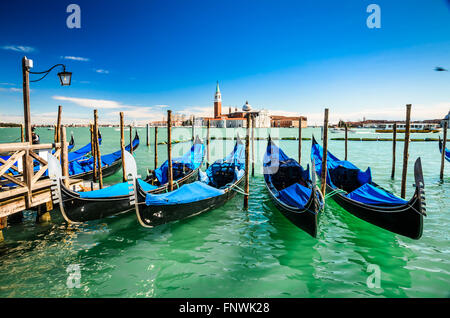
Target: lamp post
[{"x": 64, "y": 77}]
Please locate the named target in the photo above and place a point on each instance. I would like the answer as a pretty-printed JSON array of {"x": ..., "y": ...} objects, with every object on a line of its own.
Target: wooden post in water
[
  {"x": 247, "y": 159},
  {"x": 148, "y": 135},
  {"x": 156, "y": 147},
  {"x": 94, "y": 155},
  {"x": 131, "y": 139},
  {"x": 26, "y": 100},
  {"x": 394, "y": 146},
  {"x": 22, "y": 137},
  {"x": 64, "y": 155},
  {"x": 406, "y": 150},
  {"x": 193, "y": 128},
  {"x": 169, "y": 149},
  {"x": 97, "y": 150},
  {"x": 346, "y": 141},
  {"x": 122, "y": 148},
  {"x": 300, "y": 120},
  {"x": 324, "y": 155},
  {"x": 3, "y": 224},
  {"x": 58, "y": 125},
  {"x": 207, "y": 143},
  {"x": 253, "y": 146},
  {"x": 444, "y": 144}
]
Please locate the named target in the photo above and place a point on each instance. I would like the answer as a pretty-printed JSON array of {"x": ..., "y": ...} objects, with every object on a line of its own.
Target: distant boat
[{"x": 413, "y": 131}]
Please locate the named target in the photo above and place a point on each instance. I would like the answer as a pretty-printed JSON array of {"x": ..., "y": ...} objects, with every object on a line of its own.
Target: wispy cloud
[
  {"x": 19, "y": 48},
  {"x": 92, "y": 103},
  {"x": 75, "y": 58},
  {"x": 10, "y": 89},
  {"x": 198, "y": 111},
  {"x": 8, "y": 84},
  {"x": 102, "y": 71}
]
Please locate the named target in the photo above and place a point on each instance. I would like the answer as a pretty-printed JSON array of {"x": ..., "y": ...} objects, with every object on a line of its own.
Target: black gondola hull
[
  {"x": 305, "y": 219},
  {"x": 406, "y": 220},
  {"x": 151, "y": 216},
  {"x": 76, "y": 209}
]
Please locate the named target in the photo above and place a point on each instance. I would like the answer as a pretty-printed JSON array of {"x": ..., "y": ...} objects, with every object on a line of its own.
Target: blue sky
[{"x": 290, "y": 57}]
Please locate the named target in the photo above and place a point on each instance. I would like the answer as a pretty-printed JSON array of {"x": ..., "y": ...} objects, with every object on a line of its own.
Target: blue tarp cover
[
  {"x": 186, "y": 193},
  {"x": 366, "y": 193},
  {"x": 83, "y": 151},
  {"x": 191, "y": 159},
  {"x": 370, "y": 194},
  {"x": 295, "y": 195},
  {"x": 114, "y": 190},
  {"x": 86, "y": 165}
]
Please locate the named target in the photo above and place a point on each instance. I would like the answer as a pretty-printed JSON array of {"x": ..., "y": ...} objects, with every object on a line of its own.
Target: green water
[{"x": 229, "y": 252}]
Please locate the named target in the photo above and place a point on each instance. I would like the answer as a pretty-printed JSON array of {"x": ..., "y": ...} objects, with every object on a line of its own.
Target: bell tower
[{"x": 217, "y": 102}]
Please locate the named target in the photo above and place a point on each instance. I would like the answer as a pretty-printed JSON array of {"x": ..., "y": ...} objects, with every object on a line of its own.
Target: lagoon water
[{"x": 229, "y": 252}]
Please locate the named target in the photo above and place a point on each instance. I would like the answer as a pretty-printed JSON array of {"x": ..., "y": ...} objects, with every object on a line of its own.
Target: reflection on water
[{"x": 231, "y": 252}]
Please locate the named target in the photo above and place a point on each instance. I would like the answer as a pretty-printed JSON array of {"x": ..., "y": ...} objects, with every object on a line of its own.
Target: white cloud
[
  {"x": 10, "y": 89},
  {"x": 75, "y": 58},
  {"x": 101, "y": 71},
  {"x": 92, "y": 103},
  {"x": 198, "y": 111},
  {"x": 19, "y": 48}
]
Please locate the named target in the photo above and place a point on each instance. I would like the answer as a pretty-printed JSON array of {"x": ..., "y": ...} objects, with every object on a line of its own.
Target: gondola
[
  {"x": 83, "y": 151},
  {"x": 355, "y": 191},
  {"x": 92, "y": 205},
  {"x": 447, "y": 152},
  {"x": 218, "y": 185},
  {"x": 71, "y": 144},
  {"x": 111, "y": 163},
  {"x": 292, "y": 189}
]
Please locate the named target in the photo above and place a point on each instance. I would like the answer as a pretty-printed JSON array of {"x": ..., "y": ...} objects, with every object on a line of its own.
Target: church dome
[{"x": 246, "y": 107}]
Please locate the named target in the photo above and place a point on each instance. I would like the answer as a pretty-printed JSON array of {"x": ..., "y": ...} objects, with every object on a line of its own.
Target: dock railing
[{"x": 27, "y": 182}]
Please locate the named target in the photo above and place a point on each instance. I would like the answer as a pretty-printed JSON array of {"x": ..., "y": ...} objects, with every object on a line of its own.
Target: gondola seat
[
  {"x": 295, "y": 195},
  {"x": 115, "y": 190}
]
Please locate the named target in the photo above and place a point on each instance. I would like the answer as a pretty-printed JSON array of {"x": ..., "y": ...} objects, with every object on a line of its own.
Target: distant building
[
  {"x": 236, "y": 119},
  {"x": 286, "y": 122}
]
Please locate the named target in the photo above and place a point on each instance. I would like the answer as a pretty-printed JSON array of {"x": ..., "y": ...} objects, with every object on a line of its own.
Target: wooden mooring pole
[
  {"x": 300, "y": 120},
  {"x": 193, "y": 128},
  {"x": 156, "y": 147},
  {"x": 324, "y": 155},
  {"x": 247, "y": 161},
  {"x": 207, "y": 143},
  {"x": 346, "y": 141},
  {"x": 394, "y": 148},
  {"x": 253, "y": 146},
  {"x": 94, "y": 154},
  {"x": 444, "y": 145},
  {"x": 97, "y": 150},
  {"x": 22, "y": 137},
  {"x": 169, "y": 149},
  {"x": 406, "y": 150},
  {"x": 148, "y": 135},
  {"x": 122, "y": 148},
  {"x": 58, "y": 125},
  {"x": 64, "y": 155}
]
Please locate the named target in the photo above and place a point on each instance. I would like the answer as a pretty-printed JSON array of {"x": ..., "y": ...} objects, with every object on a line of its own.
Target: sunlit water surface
[{"x": 229, "y": 252}]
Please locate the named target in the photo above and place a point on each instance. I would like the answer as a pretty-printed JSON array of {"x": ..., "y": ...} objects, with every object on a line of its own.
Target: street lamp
[{"x": 64, "y": 77}]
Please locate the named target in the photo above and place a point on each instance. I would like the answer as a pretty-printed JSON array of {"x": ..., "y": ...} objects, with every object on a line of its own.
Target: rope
[
  {"x": 239, "y": 190},
  {"x": 328, "y": 195}
]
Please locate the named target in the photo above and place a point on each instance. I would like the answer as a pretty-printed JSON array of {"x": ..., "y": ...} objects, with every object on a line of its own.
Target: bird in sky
[{"x": 440, "y": 69}]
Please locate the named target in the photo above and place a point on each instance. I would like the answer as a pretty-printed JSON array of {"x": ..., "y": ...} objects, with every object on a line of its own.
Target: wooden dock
[{"x": 23, "y": 187}]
